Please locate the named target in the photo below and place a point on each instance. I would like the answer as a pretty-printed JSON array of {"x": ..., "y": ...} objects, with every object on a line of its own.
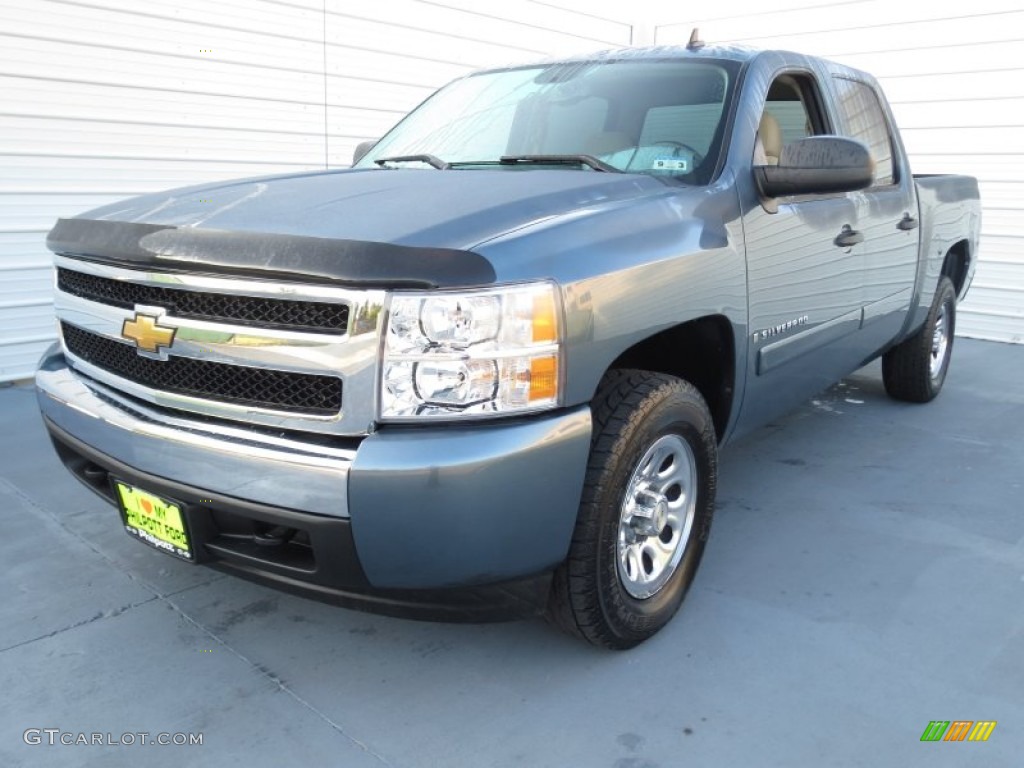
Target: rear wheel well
[
  {"x": 702, "y": 351},
  {"x": 955, "y": 265}
]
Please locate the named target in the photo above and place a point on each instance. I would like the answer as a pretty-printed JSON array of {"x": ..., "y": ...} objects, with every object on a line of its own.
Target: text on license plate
[{"x": 154, "y": 520}]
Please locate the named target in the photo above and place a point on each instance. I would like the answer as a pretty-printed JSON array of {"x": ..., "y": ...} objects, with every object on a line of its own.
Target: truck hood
[{"x": 457, "y": 209}]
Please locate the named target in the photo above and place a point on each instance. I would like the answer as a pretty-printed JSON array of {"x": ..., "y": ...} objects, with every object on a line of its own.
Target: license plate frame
[{"x": 154, "y": 520}]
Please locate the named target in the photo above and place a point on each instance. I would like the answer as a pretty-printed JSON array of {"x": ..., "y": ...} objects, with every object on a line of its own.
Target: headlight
[{"x": 473, "y": 353}]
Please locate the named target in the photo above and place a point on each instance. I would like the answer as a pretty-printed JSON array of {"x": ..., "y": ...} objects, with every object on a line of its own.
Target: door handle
[
  {"x": 848, "y": 237},
  {"x": 907, "y": 223}
]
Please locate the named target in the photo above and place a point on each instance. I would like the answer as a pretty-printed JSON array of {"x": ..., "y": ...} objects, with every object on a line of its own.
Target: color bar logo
[{"x": 958, "y": 730}]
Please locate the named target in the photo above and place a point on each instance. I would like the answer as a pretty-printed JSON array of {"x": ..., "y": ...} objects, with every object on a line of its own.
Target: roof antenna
[{"x": 695, "y": 43}]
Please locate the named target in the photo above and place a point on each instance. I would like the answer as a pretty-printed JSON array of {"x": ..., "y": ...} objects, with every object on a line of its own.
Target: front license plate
[{"x": 158, "y": 522}]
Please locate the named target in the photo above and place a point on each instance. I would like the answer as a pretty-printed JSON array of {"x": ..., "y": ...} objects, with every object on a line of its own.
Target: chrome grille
[
  {"x": 277, "y": 390},
  {"x": 218, "y": 307},
  {"x": 263, "y": 352}
]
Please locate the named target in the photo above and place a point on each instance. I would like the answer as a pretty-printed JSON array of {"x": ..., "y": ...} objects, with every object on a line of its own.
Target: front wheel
[{"x": 645, "y": 514}]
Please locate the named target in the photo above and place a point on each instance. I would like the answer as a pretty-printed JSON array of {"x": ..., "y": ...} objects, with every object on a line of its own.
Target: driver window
[{"x": 790, "y": 112}]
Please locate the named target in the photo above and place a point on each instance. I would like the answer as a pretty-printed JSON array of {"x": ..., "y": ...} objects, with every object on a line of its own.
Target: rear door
[{"x": 886, "y": 213}]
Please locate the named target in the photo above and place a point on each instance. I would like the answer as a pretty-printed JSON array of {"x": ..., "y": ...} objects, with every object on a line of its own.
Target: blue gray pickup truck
[{"x": 487, "y": 371}]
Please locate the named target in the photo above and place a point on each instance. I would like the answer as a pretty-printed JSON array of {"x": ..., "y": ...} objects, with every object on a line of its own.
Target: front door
[{"x": 803, "y": 270}]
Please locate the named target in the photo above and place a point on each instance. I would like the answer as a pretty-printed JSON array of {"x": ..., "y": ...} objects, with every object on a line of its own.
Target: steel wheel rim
[
  {"x": 656, "y": 516},
  {"x": 940, "y": 342}
]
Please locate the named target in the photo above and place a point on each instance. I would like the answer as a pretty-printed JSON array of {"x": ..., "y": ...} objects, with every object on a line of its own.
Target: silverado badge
[
  {"x": 775, "y": 330},
  {"x": 146, "y": 333}
]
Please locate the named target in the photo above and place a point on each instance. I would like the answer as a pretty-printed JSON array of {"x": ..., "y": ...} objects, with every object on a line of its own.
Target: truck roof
[
  {"x": 740, "y": 53},
  {"x": 732, "y": 52}
]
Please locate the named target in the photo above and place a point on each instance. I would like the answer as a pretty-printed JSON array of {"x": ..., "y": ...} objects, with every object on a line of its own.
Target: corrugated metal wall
[
  {"x": 109, "y": 98},
  {"x": 955, "y": 76}
]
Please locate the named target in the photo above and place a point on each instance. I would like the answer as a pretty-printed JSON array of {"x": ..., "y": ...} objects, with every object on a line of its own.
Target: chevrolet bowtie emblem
[{"x": 147, "y": 335}]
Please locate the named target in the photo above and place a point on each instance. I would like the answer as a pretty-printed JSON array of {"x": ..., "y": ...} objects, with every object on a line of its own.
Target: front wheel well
[{"x": 701, "y": 351}]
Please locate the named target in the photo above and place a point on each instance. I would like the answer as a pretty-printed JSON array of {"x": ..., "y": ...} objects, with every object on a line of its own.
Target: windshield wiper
[
  {"x": 437, "y": 162},
  {"x": 588, "y": 160}
]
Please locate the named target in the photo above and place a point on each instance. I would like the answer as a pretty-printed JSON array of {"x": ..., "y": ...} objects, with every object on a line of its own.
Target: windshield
[{"x": 656, "y": 117}]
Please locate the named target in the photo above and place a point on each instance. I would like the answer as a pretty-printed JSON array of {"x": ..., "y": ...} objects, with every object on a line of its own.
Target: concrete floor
[{"x": 865, "y": 575}]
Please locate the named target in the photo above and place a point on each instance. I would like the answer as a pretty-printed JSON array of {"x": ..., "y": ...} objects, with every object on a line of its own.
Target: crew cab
[{"x": 487, "y": 371}]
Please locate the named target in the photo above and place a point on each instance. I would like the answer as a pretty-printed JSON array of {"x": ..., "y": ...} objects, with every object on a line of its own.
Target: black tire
[
  {"x": 907, "y": 369},
  {"x": 633, "y": 410}
]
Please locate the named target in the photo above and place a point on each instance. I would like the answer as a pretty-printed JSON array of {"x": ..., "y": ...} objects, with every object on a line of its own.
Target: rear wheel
[
  {"x": 645, "y": 513},
  {"x": 915, "y": 369}
]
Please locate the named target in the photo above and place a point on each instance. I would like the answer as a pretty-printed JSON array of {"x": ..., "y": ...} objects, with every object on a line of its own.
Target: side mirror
[
  {"x": 817, "y": 165},
  {"x": 362, "y": 148}
]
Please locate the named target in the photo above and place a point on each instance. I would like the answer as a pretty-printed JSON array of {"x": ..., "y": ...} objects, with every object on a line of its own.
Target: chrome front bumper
[{"x": 232, "y": 461}]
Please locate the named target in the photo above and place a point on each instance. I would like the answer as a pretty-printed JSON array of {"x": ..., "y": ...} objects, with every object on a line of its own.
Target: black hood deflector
[{"x": 268, "y": 255}]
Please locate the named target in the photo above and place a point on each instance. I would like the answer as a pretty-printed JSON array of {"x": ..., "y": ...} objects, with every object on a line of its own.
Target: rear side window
[{"x": 864, "y": 121}]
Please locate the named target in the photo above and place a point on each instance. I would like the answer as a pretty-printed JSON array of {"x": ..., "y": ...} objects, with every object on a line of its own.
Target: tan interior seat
[{"x": 769, "y": 141}]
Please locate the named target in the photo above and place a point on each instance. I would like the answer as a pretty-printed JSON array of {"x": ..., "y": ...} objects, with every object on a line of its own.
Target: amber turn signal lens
[
  {"x": 543, "y": 378},
  {"x": 545, "y": 324}
]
